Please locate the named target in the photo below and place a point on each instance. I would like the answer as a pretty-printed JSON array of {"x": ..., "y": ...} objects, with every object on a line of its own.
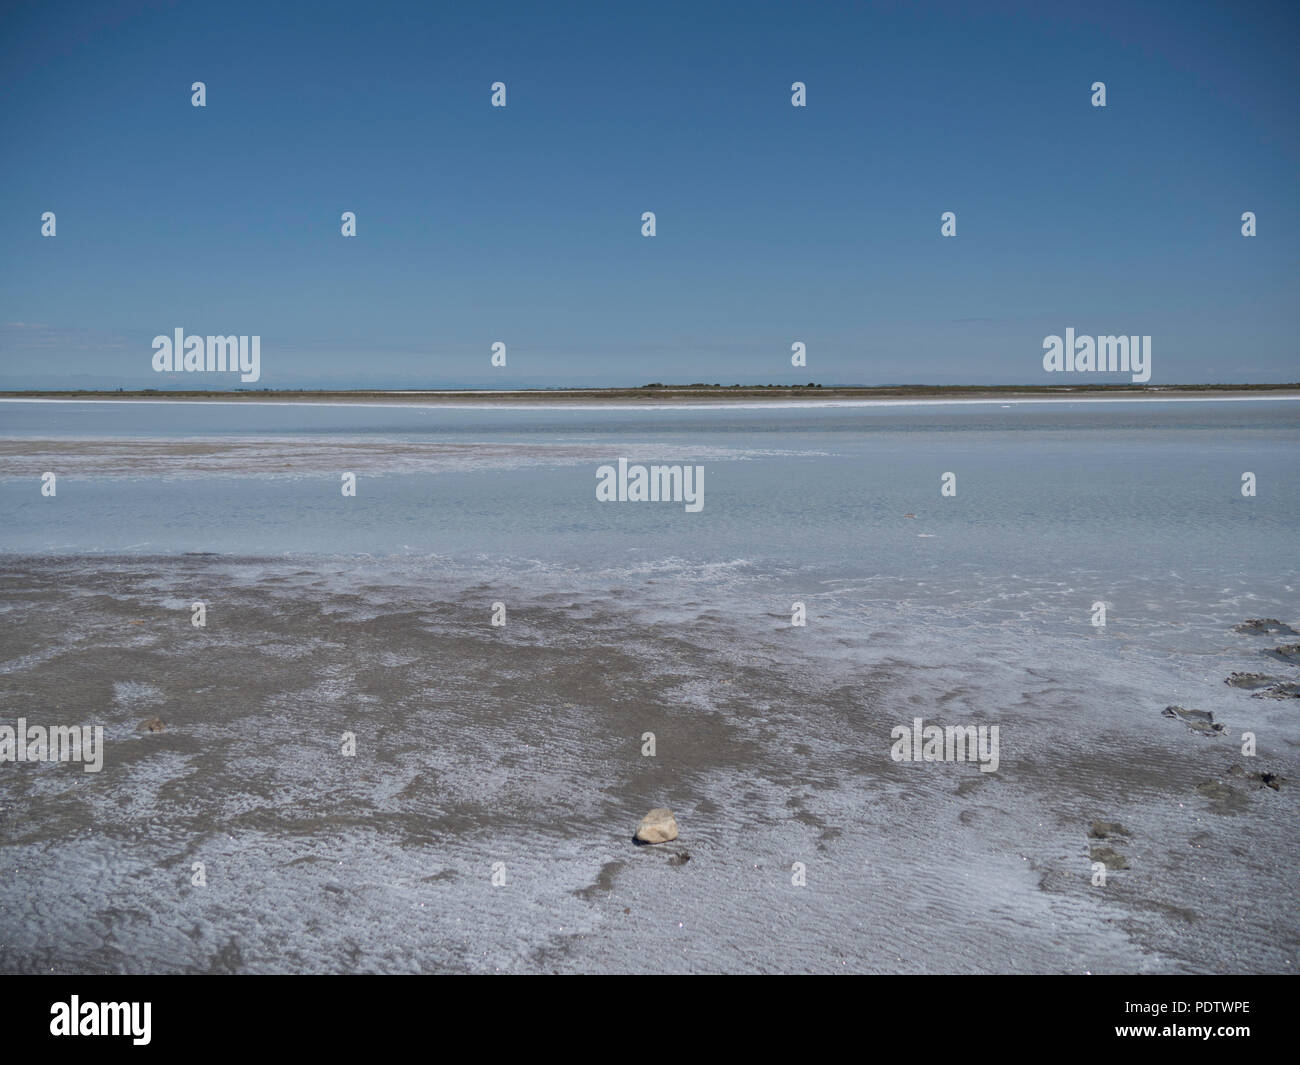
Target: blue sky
[{"x": 523, "y": 224}]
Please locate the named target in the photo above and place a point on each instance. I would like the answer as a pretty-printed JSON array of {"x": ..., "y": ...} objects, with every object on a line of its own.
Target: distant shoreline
[{"x": 675, "y": 395}]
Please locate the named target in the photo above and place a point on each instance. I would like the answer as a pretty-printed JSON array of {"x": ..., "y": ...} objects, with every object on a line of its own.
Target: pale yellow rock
[{"x": 658, "y": 826}]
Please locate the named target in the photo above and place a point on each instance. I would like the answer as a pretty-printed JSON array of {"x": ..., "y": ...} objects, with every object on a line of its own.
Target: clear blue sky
[{"x": 775, "y": 224}]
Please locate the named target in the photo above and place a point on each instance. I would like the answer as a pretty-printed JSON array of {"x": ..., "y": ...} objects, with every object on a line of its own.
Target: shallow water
[{"x": 1131, "y": 489}]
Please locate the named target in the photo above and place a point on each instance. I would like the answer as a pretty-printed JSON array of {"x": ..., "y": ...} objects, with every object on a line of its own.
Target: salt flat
[{"x": 518, "y": 749}]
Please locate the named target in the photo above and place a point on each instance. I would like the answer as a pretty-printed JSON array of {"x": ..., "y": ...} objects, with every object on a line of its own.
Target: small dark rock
[
  {"x": 154, "y": 724},
  {"x": 1264, "y": 779},
  {"x": 1199, "y": 721},
  {"x": 680, "y": 858},
  {"x": 1106, "y": 829},
  {"x": 1287, "y": 652},
  {"x": 1250, "y": 681},
  {"x": 1109, "y": 857},
  {"x": 1286, "y": 690},
  {"x": 1265, "y": 625},
  {"x": 1215, "y": 789}
]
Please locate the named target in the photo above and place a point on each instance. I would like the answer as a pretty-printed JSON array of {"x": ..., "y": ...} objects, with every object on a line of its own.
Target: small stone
[
  {"x": 1285, "y": 690},
  {"x": 1214, "y": 789},
  {"x": 1184, "y": 714},
  {"x": 1201, "y": 721},
  {"x": 1250, "y": 681},
  {"x": 680, "y": 858},
  {"x": 1264, "y": 779},
  {"x": 658, "y": 826},
  {"x": 154, "y": 724},
  {"x": 1110, "y": 858},
  {"x": 1106, "y": 829},
  {"x": 1265, "y": 625},
  {"x": 1287, "y": 652}
]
